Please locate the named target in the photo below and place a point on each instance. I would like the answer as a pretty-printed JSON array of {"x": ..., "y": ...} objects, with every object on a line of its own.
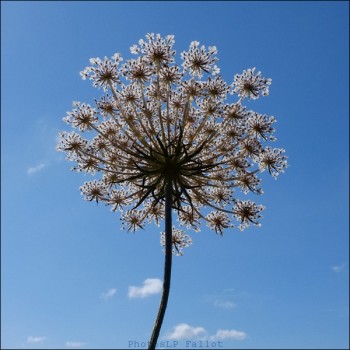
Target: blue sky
[{"x": 67, "y": 267}]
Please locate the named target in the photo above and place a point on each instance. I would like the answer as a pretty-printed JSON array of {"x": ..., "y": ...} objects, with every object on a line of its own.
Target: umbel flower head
[{"x": 159, "y": 123}]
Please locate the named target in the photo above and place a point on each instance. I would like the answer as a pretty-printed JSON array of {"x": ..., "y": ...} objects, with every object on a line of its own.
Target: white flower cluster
[
  {"x": 251, "y": 85},
  {"x": 159, "y": 123},
  {"x": 180, "y": 240}
]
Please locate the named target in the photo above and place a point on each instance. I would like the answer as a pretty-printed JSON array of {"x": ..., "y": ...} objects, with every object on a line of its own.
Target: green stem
[{"x": 167, "y": 267}]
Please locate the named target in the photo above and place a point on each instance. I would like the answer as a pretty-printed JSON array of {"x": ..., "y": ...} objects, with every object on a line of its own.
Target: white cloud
[
  {"x": 150, "y": 286},
  {"x": 338, "y": 268},
  {"x": 35, "y": 169},
  {"x": 110, "y": 292},
  {"x": 74, "y": 344},
  {"x": 185, "y": 331},
  {"x": 32, "y": 339},
  {"x": 229, "y": 334},
  {"x": 224, "y": 304}
]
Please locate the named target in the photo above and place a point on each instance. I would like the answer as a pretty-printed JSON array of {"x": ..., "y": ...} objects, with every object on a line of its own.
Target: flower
[
  {"x": 161, "y": 123},
  {"x": 157, "y": 50},
  {"x": 247, "y": 212},
  {"x": 217, "y": 221},
  {"x": 102, "y": 73},
  {"x": 250, "y": 85},
  {"x": 198, "y": 60},
  {"x": 137, "y": 70},
  {"x": 260, "y": 126},
  {"x": 72, "y": 143},
  {"x": 189, "y": 218},
  {"x": 216, "y": 88},
  {"x": 82, "y": 117},
  {"x": 118, "y": 199},
  {"x": 94, "y": 190},
  {"x": 273, "y": 160},
  {"x": 132, "y": 219},
  {"x": 106, "y": 106},
  {"x": 180, "y": 240}
]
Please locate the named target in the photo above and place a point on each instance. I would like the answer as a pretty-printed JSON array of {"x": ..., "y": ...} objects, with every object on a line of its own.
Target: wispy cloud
[
  {"x": 150, "y": 286},
  {"x": 36, "y": 168},
  {"x": 74, "y": 344},
  {"x": 224, "y": 304},
  {"x": 229, "y": 334},
  {"x": 31, "y": 339},
  {"x": 221, "y": 300},
  {"x": 185, "y": 331},
  {"x": 109, "y": 294},
  {"x": 338, "y": 268}
]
